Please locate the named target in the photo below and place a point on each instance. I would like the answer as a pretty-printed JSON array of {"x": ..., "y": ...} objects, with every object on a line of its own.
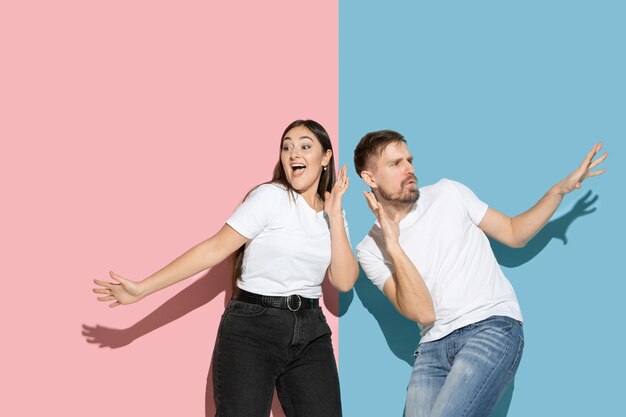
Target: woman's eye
[
  {"x": 305, "y": 147},
  {"x": 286, "y": 148}
]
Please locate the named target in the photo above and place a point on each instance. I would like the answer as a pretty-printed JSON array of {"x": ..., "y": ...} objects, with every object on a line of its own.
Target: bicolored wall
[{"x": 130, "y": 131}]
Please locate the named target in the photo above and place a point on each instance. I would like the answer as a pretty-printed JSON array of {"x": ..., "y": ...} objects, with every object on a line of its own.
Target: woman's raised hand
[
  {"x": 332, "y": 200},
  {"x": 122, "y": 291}
]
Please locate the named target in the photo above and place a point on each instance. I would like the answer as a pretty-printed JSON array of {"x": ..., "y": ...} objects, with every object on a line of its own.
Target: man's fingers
[
  {"x": 590, "y": 155},
  {"x": 371, "y": 201},
  {"x": 599, "y": 145},
  {"x": 381, "y": 211},
  {"x": 594, "y": 173},
  {"x": 599, "y": 160}
]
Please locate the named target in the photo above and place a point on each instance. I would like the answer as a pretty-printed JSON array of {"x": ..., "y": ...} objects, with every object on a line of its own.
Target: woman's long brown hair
[{"x": 326, "y": 180}]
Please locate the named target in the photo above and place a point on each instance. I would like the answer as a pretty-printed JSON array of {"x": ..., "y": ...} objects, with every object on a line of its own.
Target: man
[{"x": 429, "y": 253}]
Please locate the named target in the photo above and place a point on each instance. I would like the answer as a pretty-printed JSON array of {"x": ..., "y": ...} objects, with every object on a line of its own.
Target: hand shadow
[
  {"x": 557, "y": 229},
  {"x": 199, "y": 293}
]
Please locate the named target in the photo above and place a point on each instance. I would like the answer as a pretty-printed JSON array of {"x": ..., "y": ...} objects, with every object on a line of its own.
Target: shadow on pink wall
[{"x": 199, "y": 293}]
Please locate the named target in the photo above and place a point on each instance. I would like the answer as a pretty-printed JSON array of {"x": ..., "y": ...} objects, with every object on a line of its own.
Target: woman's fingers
[
  {"x": 103, "y": 283},
  {"x": 120, "y": 279}
]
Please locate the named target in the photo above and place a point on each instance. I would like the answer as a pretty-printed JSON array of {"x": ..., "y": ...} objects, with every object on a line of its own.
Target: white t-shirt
[
  {"x": 289, "y": 247},
  {"x": 452, "y": 254}
]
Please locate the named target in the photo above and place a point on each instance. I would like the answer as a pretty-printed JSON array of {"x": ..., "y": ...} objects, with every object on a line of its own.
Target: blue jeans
[
  {"x": 465, "y": 373},
  {"x": 259, "y": 348}
]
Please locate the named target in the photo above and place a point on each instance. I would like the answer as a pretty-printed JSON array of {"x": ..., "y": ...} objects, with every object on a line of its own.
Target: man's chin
[{"x": 410, "y": 197}]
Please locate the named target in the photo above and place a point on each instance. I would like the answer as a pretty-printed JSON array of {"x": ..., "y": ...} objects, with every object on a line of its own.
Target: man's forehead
[{"x": 395, "y": 150}]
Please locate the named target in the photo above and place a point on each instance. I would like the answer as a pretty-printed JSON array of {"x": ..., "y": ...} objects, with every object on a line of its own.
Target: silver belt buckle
[{"x": 291, "y": 297}]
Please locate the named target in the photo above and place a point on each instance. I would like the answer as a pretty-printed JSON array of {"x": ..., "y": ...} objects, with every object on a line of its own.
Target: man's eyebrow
[{"x": 394, "y": 161}]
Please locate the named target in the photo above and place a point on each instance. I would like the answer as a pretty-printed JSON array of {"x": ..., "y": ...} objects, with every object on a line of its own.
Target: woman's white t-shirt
[{"x": 288, "y": 251}]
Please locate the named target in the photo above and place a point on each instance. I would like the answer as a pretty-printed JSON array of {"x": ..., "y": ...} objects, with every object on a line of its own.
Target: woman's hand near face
[
  {"x": 332, "y": 203},
  {"x": 343, "y": 270}
]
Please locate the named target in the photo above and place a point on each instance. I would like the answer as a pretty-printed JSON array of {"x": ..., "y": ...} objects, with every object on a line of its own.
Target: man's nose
[{"x": 408, "y": 169}]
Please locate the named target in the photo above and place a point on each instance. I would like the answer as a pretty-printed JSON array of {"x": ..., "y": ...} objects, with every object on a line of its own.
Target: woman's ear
[{"x": 326, "y": 157}]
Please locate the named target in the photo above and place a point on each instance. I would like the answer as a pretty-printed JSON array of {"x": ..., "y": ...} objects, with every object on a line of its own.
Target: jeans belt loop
[{"x": 291, "y": 297}]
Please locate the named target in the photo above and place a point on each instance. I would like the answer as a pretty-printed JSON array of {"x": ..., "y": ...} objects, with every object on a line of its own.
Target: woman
[{"x": 289, "y": 234}]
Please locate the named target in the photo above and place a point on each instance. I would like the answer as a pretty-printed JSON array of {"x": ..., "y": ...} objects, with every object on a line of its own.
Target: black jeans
[{"x": 259, "y": 348}]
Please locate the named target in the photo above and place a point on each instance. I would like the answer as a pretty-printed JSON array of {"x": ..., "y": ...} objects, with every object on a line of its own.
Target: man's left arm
[{"x": 517, "y": 231}]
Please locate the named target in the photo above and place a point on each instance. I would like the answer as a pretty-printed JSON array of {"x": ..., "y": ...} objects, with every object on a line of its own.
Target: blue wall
[{"x": 506, "y": 97}]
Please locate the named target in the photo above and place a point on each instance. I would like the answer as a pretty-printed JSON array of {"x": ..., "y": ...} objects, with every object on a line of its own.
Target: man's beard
[{"x": 405, "y": 198}]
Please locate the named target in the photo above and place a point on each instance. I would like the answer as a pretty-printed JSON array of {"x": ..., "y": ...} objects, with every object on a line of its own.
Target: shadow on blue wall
[
  {"x": 402, "y": 335},
  {"x": 555, "y": 229}
]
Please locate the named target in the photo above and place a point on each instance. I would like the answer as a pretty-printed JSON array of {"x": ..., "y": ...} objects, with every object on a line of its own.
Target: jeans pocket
[{"x": 238, "y": 308}]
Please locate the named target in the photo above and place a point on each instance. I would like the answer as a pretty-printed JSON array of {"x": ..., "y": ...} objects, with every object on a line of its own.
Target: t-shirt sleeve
[
  {"x": 376, "y": 269},
  {"x": 256, "y": 211},
  {"x": 475, "y": 207},
  {"x": 345, "y": 226}
]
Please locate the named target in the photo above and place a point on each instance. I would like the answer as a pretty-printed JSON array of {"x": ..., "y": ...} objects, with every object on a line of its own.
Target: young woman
[{"x": 288, "y": 233}]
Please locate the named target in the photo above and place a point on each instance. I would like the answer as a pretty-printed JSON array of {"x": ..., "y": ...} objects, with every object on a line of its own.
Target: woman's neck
[{"x": 313, "y": 199}]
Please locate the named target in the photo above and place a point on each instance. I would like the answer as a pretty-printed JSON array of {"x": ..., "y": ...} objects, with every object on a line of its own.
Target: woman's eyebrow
[{"x": 301, "y": 137}]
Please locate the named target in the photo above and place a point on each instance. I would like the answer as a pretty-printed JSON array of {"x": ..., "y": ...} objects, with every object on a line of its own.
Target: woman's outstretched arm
[{"x": 202, "y": 256}]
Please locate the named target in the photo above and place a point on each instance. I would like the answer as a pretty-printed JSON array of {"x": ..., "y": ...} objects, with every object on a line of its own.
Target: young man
[{"x": 429, "y": 253}]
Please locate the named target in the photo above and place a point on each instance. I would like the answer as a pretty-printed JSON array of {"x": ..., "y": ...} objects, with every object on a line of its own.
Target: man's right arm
[{"x": 406, "y": 289}]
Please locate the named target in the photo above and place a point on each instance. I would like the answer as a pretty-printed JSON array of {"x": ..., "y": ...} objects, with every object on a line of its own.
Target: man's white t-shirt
[
  {"x": 452, "y": 254},
  {"x": 289, "y": 247}
]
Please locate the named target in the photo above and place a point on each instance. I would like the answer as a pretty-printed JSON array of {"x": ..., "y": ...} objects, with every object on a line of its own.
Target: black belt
[{"x": 291, "y": 302}]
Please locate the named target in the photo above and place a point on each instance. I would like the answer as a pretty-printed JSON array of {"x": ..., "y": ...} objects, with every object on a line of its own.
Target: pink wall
[{"x": 130, "y": 130}]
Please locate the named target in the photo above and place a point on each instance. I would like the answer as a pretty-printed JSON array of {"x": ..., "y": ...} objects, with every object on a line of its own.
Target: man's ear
[{"x": 368, "y": 177}]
